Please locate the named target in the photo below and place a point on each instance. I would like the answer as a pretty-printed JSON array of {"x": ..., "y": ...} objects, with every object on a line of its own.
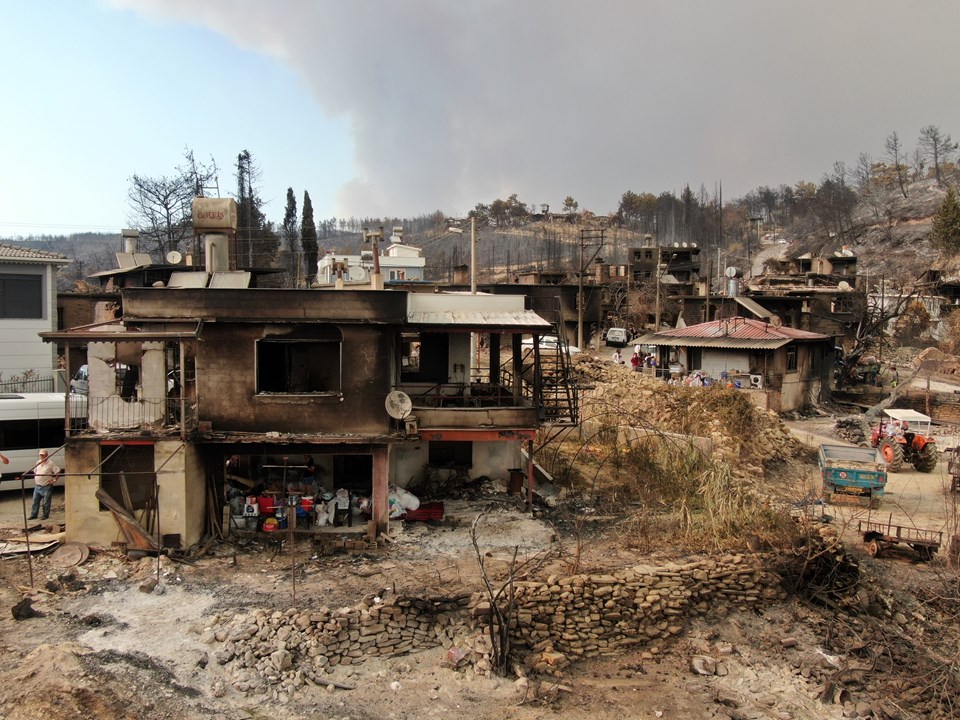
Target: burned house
[{"x": 190, "y": 380}]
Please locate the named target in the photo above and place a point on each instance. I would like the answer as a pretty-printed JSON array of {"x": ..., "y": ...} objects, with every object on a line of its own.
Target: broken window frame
[
  {"x": 133, "y": 462},
  {"x": 327, "y": 347},
  {"x": 791, "y": 358}
]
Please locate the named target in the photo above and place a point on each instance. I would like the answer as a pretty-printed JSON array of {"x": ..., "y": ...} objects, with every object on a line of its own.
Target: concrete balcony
[
  {"x": 477, "y": 406},
  {"x": 145, "y": 416}
]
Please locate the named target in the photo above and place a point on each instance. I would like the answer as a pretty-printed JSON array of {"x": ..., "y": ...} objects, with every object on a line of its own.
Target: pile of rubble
[
  {"x": 934, "y": 360},
  {"x": 741, "y": 434},
  {"x": 279, "y": 652}
]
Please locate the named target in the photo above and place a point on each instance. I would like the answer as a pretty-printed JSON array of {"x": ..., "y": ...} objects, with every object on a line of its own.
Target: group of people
[{"x": 638, "y": 360}]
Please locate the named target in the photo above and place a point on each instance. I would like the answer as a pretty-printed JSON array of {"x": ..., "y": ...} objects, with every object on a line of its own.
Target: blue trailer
[{"x": 854, "y": 473}]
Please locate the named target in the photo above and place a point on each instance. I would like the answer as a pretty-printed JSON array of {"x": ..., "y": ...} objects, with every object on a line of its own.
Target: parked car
[
  {"x": 80, "y": 382},
  {"x": 550, "y": 343},
  {"x": 616, "y": 337}
]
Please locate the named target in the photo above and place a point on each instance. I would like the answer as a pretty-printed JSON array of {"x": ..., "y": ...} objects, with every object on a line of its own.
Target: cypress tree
[{"x": 308, "y": 238}]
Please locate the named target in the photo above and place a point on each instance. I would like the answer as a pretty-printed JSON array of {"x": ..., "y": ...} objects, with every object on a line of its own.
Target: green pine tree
[
  {"x": 308, "y": 238},
  {"x": 946, "y": 224}
]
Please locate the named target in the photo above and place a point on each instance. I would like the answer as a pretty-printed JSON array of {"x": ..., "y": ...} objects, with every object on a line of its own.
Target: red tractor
[{"x": 904, "y": 436}]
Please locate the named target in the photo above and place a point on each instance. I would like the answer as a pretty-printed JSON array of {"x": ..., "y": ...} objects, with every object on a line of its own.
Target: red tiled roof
[{"x": 17, "y": 252}]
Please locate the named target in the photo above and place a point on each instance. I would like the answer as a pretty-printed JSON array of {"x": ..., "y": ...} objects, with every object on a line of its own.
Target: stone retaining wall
[
  {"x": 557, "y": 619},
  {"x": 590, "y": 615}
]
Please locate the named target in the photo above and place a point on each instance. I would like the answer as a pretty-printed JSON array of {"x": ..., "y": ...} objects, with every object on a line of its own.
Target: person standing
[
  {"x": 45, "y": 475},
  {"x": 635, "y": 362}
]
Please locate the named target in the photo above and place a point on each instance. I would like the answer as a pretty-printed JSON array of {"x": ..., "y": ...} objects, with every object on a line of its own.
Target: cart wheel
[{"x": 873, "y": 548}]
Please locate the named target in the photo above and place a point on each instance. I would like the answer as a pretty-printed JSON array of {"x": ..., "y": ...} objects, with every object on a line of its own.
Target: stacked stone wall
[
  {"x": 591, "y": 615},
  {"x": 567, "y": 617}
]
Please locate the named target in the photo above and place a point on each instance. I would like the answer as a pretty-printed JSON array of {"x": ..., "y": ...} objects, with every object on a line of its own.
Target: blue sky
[
  {"x": 402, "y": 107},
  {"x": 94, "y": 94}
]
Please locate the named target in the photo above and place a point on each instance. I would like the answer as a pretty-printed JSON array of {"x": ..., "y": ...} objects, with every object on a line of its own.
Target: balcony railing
[
  {"x": 117, "y": 414},
  {"x": 461, "y": 395}
]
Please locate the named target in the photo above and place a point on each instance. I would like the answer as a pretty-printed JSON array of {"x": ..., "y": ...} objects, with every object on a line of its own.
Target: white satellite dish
[
  {"x": 843, "y": 285},
  {"x": 357, "y": 273},
  {"x": 683, "y": 244},
  {"x": 731, "y": 272},
  {"x": 398, "y": 404},
  {"x": 174, "y": 257},
  {"x": 676, "y": 244}
]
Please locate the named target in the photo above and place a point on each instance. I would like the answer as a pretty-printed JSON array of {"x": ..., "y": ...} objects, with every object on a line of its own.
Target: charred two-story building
[{"x": 368, "y": 387}]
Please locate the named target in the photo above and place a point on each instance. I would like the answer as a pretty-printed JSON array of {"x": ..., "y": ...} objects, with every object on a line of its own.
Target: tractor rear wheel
[
  {"x": 927, "y": 459},
  {"x": 892, "y": 453}
]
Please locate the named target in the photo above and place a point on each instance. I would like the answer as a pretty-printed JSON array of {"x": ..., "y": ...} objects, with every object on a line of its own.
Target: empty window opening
[
  {"x": 299, "y": 366},
  {"x": 128, "y": 475},
  {"x": 451, "y": 452}
]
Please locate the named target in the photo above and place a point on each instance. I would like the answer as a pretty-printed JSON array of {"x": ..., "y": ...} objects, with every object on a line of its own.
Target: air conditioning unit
[{"x": 756, "y": 382}]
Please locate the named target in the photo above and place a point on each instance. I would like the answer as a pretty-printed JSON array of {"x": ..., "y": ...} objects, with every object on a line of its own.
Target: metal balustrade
[{"x": 117, "y": 414}]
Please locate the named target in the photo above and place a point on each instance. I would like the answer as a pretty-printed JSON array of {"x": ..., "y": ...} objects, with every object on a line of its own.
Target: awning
[
  {"x": 116, "y": 331},
  {"x": 486, "y": 321},
  {"x": 730, "y": 343}
]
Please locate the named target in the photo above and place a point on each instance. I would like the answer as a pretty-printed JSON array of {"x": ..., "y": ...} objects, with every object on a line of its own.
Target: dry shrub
[{"x": 669, "y": 488}]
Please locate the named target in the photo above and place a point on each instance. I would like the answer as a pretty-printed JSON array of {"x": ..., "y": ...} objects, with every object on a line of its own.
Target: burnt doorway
[{"x": 353, "y": 472}]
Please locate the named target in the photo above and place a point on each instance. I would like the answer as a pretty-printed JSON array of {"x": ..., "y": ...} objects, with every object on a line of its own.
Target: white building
[
  {"x": 397, "y": 262},
  {"x": 28, "y": 305}
]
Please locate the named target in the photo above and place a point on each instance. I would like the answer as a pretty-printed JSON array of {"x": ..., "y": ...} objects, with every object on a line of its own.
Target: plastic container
[{"x": 267, "y": 504}]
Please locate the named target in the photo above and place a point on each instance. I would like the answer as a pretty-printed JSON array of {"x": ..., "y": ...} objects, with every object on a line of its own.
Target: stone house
[{"x": 782, "y": 368}]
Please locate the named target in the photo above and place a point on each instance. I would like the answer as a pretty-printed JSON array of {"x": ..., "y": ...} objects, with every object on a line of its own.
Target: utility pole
[
  {"x": 585, "y": 236},
  {"x": 749, "y": 261},
  {"x": 473, "y": 255}
]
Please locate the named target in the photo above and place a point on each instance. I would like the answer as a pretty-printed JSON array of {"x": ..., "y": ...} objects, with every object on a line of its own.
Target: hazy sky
[{"x": 402, "y": 107}]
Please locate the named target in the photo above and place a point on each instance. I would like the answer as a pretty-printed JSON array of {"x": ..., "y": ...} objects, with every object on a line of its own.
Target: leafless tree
[
  {"x": 502, "y": 599},
  {"x": 936, "y": 147},
  {"x": 873, "y": 317},
  {"x": 161, "y": 207},
  {"x": 918, "y": 164},
  {"x": 898, "y": 160}
]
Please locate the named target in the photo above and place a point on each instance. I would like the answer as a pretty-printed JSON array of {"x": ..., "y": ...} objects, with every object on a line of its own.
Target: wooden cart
[{"x": 878, "y": 536}]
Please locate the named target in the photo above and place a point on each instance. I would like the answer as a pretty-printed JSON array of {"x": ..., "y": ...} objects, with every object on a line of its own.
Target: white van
[{"x": 617, "y": 337}]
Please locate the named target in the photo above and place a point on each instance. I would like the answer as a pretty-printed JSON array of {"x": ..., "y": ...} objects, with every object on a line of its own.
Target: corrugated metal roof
[
  {"x": 18, "y": 253},
  {"x": 741, "y": 328},
  {"x": 735, "y": 332},
  {"x": 508, "y": 320},
  {"x": 731, "y": 343}
]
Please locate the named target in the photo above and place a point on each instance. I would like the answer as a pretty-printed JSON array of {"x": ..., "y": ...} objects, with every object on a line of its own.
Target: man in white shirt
[{"x": 45, "y": 475}]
